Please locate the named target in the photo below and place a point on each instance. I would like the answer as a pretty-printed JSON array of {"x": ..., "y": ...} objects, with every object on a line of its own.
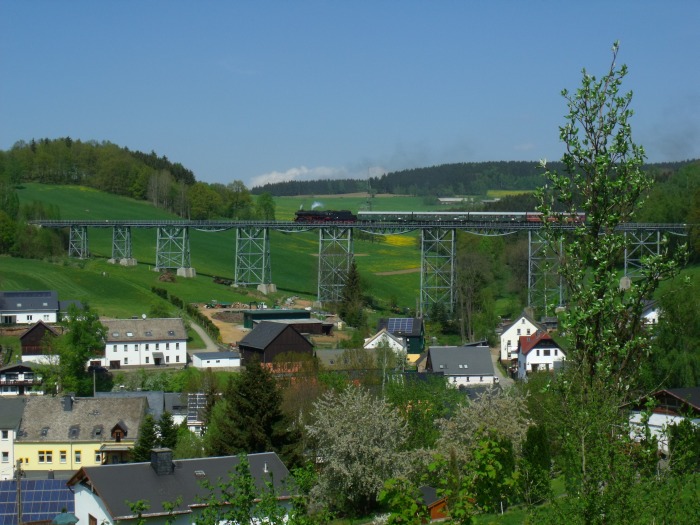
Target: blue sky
[{"x": 281, "y": 90}]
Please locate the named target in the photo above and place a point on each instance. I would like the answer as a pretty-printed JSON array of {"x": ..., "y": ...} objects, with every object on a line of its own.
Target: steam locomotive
[{"x": 325, "y": 216}]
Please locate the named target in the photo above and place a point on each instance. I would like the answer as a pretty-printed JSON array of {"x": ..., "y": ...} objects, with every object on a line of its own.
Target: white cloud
[{"x": 317, "y": 173}]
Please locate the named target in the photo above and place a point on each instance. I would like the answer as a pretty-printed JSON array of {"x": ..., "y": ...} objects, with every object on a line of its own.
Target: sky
[{"x": 303, "y": 90}]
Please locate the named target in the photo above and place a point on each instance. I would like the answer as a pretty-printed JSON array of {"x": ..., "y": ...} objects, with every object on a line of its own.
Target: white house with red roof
[
  {"x": 537, "y": 352},
  {"x": 523, "y": 325}
]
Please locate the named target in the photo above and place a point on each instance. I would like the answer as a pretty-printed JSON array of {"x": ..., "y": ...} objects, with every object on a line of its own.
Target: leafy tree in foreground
[
  {"x": 601, "y": 177},
  {"x": 359, "y": 438},
  {"x": 84, "y": 338}
]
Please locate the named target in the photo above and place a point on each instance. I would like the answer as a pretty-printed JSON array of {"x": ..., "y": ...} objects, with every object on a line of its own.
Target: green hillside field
[{"x": 294, "y": 258}]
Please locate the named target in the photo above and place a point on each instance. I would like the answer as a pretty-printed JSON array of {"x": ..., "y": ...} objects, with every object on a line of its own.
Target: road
[{"x": 211, "y": 346}]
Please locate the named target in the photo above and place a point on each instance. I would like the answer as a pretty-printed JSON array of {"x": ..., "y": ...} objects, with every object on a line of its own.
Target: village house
[
  {"x": 538, "y": 352},
  {"x": 143, "y": 342},
  {"x": 27, "y": 307},
  {"x": 388, "y": 340},
  {"x": 37, "y": 343},
  {"x": 523, "y": 325},
  {"x": 66, "y": 432},
  {"x": 462, "y": 366},
  {"x": 20, "y": 379},
  {"x": 409, "y": 330},
  {"x": 216, "y": 360},
  {"x": 11, "y": 411},
  {"x": 671, "y": 406},
  {"x": 102, "y": 493},
  {"x": 269, "y": 340}
]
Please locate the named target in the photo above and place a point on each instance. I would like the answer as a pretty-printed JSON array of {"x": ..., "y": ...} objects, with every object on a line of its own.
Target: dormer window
[{"x": 130, "y": 334}]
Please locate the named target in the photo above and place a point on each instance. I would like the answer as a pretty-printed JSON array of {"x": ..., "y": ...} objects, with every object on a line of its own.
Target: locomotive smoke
[{"x": 316, "y": 204}]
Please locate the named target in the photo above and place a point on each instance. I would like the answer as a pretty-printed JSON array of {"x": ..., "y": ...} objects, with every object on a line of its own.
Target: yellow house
[{"x": 67, "y": 433}]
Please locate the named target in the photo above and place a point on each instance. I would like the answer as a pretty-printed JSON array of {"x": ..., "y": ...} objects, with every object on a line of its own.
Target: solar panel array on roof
[
  {"x": 28, "y": 294},
  {"x": 196, "y": 404},
  {"x": 397, "y": 324},
  {"x": 42, "y": 499}
]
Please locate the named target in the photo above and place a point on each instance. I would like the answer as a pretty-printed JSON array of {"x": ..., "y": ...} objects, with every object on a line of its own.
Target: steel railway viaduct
[{"x": 437, "y": 247}]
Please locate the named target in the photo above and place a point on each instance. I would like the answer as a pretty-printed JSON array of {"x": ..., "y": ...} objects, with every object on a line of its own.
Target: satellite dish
[{"x": 143, "y": 316}]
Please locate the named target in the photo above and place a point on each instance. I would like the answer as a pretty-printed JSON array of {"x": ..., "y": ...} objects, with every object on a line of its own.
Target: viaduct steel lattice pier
[{"x": 335, "y": 252}]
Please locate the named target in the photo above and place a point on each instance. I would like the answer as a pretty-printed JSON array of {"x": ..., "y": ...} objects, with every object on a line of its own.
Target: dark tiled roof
[
  {"x": 145, "y": 330},
  {"x": 47, "y": 420},
  {"x": 175, "y": 403},
  {"x": 24, "y": 366},
  {"x": 461, "y": 360},
  {"x": 117, "y": 484},
  {"x": 38, "y": 325},
  {"x": 689, "y": 395},
  {"x": 29, "y": 301},
  {"x": 429, "y": 495},
  {"x": 217, "y": 355},
  {"x": 155, "y": 398},
  {"x": 264, "y": 334},
  {"x": 11, "y": 411}
]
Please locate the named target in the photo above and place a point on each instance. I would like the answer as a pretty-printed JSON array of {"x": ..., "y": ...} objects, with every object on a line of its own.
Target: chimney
[
  {"x": 162, "y": 461},
  {"x": 67, "y": 401}
]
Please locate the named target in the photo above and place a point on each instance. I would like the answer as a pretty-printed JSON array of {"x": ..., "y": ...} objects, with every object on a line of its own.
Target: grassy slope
[{"x": 294, "y": 257}]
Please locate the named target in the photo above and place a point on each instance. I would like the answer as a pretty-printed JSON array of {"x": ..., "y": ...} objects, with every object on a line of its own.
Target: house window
[
  {"x": 518, "y": 331},
  {"x": 5, "y": 457},
  {"x": 177, "y": 346},
  {"x": 126, "y": 360},
  {"x": 177, "y": 358},
  {"x": 167, "y": 358},
  {"x": 78, "y": 456},
  {"x": 522, "y": 321},
  {"x": 62, "y": 456},
  {"x": 114, "y": 347},
  {"x": 556, "y": 351},
  {"x": 538, "y": 353},
  {"x": 98, "y": 457},
  {"x": 126, "y": 347},
  {"x": 146, "y": 359},
  {"x": 147, "y": 347},
  {"x": 528, "y": 331},
  {"x": 157, "y": 346},
  {"x": 547, "y": 352},
  {"x": 5, "y": 434},
  {"x": 167, "y": 346},
  {"x": 29, "y": 318},
  {"x": 45, "y": 456}
]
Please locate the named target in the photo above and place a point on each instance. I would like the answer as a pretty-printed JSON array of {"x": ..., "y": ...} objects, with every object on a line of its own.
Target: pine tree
[
  {"x": 249, "y": 419},
  {"x": 350, "y": 307},
  {"x": 146, "y": 441},
  {"x": 167, "y": 431}
]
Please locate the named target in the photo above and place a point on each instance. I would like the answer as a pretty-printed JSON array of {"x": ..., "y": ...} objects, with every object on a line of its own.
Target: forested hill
[{"x": 466, "y": 178}]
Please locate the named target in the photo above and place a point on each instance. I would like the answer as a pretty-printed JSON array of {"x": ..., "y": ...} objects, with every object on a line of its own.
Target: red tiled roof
[{"x": 528, "y": 342}]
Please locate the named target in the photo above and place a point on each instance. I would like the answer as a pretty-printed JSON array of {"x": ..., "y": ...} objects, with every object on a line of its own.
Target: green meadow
[{"x": 388, "y": 266}]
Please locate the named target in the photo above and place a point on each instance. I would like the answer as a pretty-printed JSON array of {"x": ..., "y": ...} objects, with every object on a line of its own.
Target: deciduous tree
[
  {"x": 359, "y": 438},
  {"x": 602, "y": 177}
]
